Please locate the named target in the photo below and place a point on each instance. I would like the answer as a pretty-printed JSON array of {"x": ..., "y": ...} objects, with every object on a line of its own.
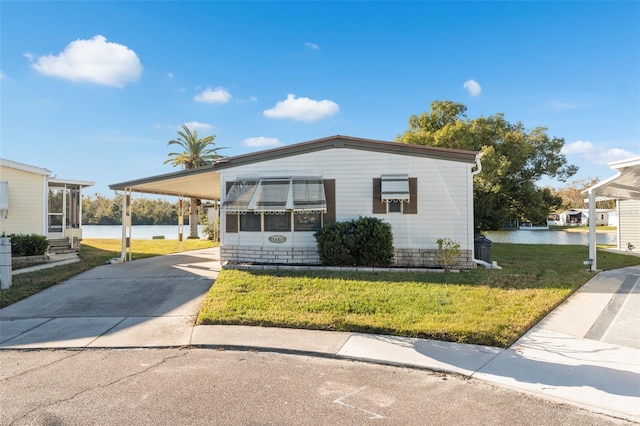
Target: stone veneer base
[{"x": 308, "y": 256}]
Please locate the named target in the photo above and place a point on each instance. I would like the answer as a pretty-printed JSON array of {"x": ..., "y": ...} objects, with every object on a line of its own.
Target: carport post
[
  {"x": 126, "y": 226},
  {"x": 592, "y": 229}
]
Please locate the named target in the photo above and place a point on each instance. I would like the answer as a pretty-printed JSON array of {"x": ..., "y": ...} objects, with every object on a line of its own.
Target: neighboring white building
[
  {"x": 32, "y": 202},
  {"x": 580, "y": 217},
  {"x": 273, "y": 201}
]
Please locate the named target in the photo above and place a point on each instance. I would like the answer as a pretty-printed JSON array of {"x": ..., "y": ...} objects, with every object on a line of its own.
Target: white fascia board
[{"x": 24, "y": 167}]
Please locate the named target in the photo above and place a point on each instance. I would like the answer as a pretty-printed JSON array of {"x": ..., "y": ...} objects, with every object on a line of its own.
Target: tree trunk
[{"x": 193, "y": 218}]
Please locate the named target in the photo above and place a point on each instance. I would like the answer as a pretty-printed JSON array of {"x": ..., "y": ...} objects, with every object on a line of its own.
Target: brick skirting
[{"x": 410, "y": 258}]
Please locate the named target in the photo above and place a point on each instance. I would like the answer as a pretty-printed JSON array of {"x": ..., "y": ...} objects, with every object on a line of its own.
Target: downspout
[
  {"x": 478, "y": 165},
  {"x": 45, "y": 206},
  {"x": 472, "y": 234}
]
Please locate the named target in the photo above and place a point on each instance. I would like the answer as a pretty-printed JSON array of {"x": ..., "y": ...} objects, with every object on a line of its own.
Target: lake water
[
  {"x": 170, "y": 232},
  {"x": 138, "y": 232},
  {"x": 550, "y": 237}
]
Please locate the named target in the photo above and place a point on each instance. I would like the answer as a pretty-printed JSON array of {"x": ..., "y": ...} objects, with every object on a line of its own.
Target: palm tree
[{"x": 197, "y": 153}]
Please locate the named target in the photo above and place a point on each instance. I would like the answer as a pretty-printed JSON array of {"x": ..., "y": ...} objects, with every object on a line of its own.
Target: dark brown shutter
[
  {"x": 231, "y": 220},
  {"x": 231, "y": 223},
  {"x": 412, "y": 206},
  {"x": 330, "y": 195},
  {"x": 378, "y": 205}
]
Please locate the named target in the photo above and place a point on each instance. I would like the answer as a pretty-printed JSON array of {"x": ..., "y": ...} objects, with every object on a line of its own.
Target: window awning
[
  {"x": 298, "y": 194},
  {"x": 272, "y": 195},
  {"x": 395, "y": 188},
  {"x": 308, "y": 195},
  {"x": 239, "y": 195}
]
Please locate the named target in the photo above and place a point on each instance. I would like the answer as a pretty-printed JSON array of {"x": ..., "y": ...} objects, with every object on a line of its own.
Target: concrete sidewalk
[
  {"x": 554, "y": 360},
  {"x": 584, "y": 353}
]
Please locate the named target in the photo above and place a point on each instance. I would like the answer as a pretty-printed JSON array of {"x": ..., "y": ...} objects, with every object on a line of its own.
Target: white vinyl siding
[
  {"x": 445, "y": 207},
  {"x": 27, "y": 202},
  {"x": 629, "y": 224}
]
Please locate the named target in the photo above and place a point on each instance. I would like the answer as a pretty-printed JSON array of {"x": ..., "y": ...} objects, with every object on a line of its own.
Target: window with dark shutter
[{"x": 395, "y": 194}]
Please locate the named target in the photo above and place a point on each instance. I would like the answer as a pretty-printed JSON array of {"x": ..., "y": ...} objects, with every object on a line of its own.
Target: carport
[
  {"x": 201, "y": 183},
  {"x": 625, "y": 185}
]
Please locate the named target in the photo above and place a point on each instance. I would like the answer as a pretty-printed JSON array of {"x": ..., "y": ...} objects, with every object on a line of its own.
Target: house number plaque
[{"x": 277, "y": 239}]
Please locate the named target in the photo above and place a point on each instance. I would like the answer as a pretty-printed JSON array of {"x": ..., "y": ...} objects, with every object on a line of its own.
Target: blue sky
[{"x": 94, "y": 90}]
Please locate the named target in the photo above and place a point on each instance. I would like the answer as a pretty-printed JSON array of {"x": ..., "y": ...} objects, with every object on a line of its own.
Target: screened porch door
[{"x": 56, "y": 220}]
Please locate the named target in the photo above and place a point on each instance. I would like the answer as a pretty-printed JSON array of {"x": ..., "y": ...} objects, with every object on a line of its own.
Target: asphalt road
[{"x": 211, "y": 387}]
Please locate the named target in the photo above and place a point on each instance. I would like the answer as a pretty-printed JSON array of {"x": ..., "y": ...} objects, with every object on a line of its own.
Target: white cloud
[
  {"x": 170, "y": 74},
  {"x": 196, "y": 125},
  {"x": 253, "y": 99},
  {"x": 312, "y": 46},
  {"x": 302, "y": 109},
  {"x": 613, "y": 154},
  {"x": 578, "y": 147},
  {"x": 261, "y": 141},
  {"x": 2, "y": 75},
  {"x": 29, "y": 56},
  {"x": 596, "y": 154},
  {"x": 94, "y": 61},
  {"x": 217, "y": 96},
  {"x": 472, "y": 87}
]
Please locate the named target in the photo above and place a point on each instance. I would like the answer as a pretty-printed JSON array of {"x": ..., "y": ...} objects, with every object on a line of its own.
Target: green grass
[
  {"x": 93, "y": 252},
  {"x": 489, "y": 307}
]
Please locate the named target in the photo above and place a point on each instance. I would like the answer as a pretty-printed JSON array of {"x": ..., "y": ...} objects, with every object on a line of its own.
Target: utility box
[{"x": 5, "y": 263}]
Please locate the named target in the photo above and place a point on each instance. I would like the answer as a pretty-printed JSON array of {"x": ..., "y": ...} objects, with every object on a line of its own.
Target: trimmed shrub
[
  {"x": 447, "y": 254},
  {"x": 367, "y": 241},
  {"x": 212, "y": 230},
  {"x": 28, "y": 245}
]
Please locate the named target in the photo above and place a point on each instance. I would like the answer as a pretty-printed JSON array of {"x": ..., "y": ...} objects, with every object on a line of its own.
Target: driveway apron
[{"x": 147, "y": 302}]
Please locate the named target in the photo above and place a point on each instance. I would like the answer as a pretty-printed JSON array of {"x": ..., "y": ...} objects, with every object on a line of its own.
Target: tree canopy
[
  {"x": 513, "y": 160},
  {"x": 197, "y": 152}
]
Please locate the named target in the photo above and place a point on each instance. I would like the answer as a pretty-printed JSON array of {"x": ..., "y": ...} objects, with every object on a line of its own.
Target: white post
[
  {"x": 180, "y": 218},
  {"x": 592, "y": 229},
  {"x": 126, "y": 226},
  {"x": 5, "y": 263}
]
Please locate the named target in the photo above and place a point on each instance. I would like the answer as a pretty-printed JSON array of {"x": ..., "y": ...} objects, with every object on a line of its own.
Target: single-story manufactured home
[
  {"x": 273, "y": 201},
  {"x": 34, "y": 202},
  {"x": 580, "y": 217}
]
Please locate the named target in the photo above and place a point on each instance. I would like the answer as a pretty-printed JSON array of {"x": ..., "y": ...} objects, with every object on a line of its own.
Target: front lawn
[{"x": 488, "y": 307}]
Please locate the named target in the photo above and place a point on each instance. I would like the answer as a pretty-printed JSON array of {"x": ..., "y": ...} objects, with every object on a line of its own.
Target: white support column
[
  {"x": 618, "y": 225},
  {"x": 126, "y": 226},
  {"x": 592, "y": 229},
  {"x": 80, "y": 211},
  {"x": 180, "y": 218}
]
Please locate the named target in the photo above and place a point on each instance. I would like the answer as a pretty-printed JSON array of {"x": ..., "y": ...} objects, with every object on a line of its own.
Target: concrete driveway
[{"x": 149, "y": 302}]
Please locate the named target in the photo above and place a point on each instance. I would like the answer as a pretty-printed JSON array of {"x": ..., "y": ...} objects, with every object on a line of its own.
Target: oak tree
[{"x": 514, "y": 159}]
